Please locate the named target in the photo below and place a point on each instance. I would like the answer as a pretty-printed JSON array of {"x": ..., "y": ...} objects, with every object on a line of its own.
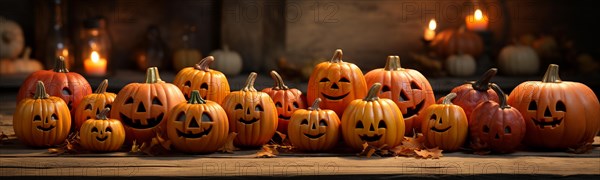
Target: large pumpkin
[
  {"x": 143, "y": 107},
  {"x": 211, "y": 84},
  {"x": 408, "y": 88},
  {"x": 69, "y": 86},
  {"x": 102, "y": 134},
  {"x": 453, "y": 41},
  {"x": 252, "y": 114},
  {"x": 41, "y": 120},
  {"x": 287, "y": 100},
  {"x": 472, "y": 93},
  {"x": 499, "y": 127},
  {"x": 92, "y": 104},
  {"x": 197, "y": 126},
  {"x": 337, "y": 83},
  {"x": 372, "y": 120},
  {"x": 445, "y": 125},
  {"x": 314, "y": 129},
  {"x": 558, "y": 114}
]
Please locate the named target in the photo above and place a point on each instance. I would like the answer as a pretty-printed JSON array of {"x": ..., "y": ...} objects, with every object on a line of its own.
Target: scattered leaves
[
  {"x": 70, "y": 146},
  {"x": 370, "y": 150},
  {"x": 228, "y": 147},
  {"x": 271, "y": 150},
  {"x": 434, "y": 153},
  {"x": 135, "y": 148},
  {"x": 410, "y": 147},
  {"x": 158, "y": 146}
]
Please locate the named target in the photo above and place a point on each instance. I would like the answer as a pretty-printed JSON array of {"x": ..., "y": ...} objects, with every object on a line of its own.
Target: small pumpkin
[
  {"x": 252, "y": 114},
  {"x": 461, "y": 65},
  {"x": 143, "y": 107},
  {"x": 197, "y": 126},
  {"x": 558, "y": 114},
  {"x": 518, "y": 60},
  {"x": 372, "y": 120},
  {"x": 408, "y": 88},
  {"x": 497, "y": 126},
  {"x": 185, "y": 58},
  {"x": 337, "y": 83},
  {"x": 472, "y": 93},
  {"x": 92, "y": 104},
  {"x": 211, "y": 84},
  {"x": 287, "y": 100},
  {"x": 445, "y": 125},
  {"x": 230, "y": 62},
  {"x": 26, "y": 65},
  {"x": 102, "y": 134},
  {"x": 455, "y": 41},
  {"x": 42, "y": 120},
  {"x": 314, "y": 129},
  {"x": 11, "y": 39}
]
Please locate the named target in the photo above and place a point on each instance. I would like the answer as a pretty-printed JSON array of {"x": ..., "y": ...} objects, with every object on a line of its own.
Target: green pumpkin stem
[
  {"x": 337, "y": 56},
  {"x": 501, "y": 96},
  {"x": 60, "y": 66},
  {"x": 483, "y": 84},
  {"x": 279, "y": 85},
  {"x": 315, "y": 105},
  {"x": 204, "y": 64},
  {"x": 152, "y": 75},
  {"x": 249, "y": 86},
  {"x": 40, "y": 91},
  {"x": 195, "y": 98},
  {"x": 448, "y": 98},
  {"x": 103, "y": 114},
  {"x": 102, "y": 87},
  {"x": 392, "y": 63},
  {"x": 551, "y": 75},
  {"x": 373, "y": 93}
]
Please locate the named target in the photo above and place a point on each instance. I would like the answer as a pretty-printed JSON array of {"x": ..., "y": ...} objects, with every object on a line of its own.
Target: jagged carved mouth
[
  {"x": 284, "y": 117},
  {"x": 440, "y": 130},
  {"x": 192, "y": 135},
  {"x": 370, "y": 138},
  {"x": 101, "y": 139},
  {"x": 248, "y": 122},
  {"x": 335, "y": 97},
  {"x": 413, "y": 111},
  {"x": 555, "y": 122},
  {"x": 151, "y": 122},
  {"x": 45, "y": 129},
  {"x": 314, "y": 136}
]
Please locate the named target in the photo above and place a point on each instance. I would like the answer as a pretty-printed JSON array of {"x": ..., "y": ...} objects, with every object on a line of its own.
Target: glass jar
[{"x": 95, "y": 47}]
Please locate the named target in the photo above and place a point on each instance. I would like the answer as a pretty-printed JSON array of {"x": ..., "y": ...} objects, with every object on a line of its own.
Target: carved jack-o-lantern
[
  {"x": 197, "y": 126},
  {"x": 314, "y": 129},
  {"x": 92, "y": 104},
  {"x": 287, "y": 100},
  {"x": 143, "y": 107},
  {"x": 252, "y": 114},
  {"x": 211, "y": 84},
  {"x": 445, "y": 125},
  {"x": 408, "y": 88},
  {"x": 42, "y": 120},
  {"x": 558, "y": 114},
  {"x": 102, "y": 134},
  {"x": 337, "y": 83},
  {"x": 372, "y": 120}
]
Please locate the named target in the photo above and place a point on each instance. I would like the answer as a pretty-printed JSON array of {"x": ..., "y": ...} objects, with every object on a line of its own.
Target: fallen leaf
[
  {"x": 70, "y": 146},
  {"x": 55, "y": 151},
  {"x": 434, "y": 153},
  {"x": 158, "y": 145},
  {"x": 266, "y": 152},
  {"x": 135, "y": 148},
  {"x": 369, "y": 150},
  {"x": 228, "y": 147}
]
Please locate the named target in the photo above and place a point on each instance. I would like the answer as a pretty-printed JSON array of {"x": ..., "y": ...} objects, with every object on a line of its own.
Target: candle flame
[
  {"x": 478, "y": 14},
  {"x": 432, "y": 24},
  {"x": 65, "y": 52},
  {"x": 95, "y": 56}
]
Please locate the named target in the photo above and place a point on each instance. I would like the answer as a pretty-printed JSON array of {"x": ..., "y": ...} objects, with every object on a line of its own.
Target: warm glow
[
  {"x": 478, "y": 15},
  {"x": 95, "y": 56},
  {"x": 432, "y": 24},
  {"x": 65, "y": 52}
]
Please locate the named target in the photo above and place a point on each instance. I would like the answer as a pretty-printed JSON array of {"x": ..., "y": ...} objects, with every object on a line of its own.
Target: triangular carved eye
[
  {"x": 206, "y": 117},
  {"x": 95, "y": 129},
  {"x": 239, "y": 106},
  {"x": 560, "y": 106},
  {"x": 385, "y": 88},
  {"x": 156, "y": 101},
  {"x": 359, "y": 125},
  {"x": 507, "y": 130},
  {"x": 258, "y": 108},
  {"x": 187, "y": 84},
  {"x": 88, "y": 107},
  {"x": 344, "y": 80},
  {"x": 181, "y": 117},
  {"x": 532, "y": 106},
  {"x": 296, "y": 105},
  {"x": 433, "y": 117},
  {"x": 403, "y": 96},
  {"x": 108, "y": 129},
  {"x": 304, "y": 122},
  {"x": 66, "y": 91},
  {"x": 278, "y": 104},
  {"x": 414, "y": 85},
  {"x": 204, "y": 86},
  {"x": 129, "y": 100},
  {"x": 382, "y": 124},
  {"x": 322, "y": 122},
  {"x": 54, "y": 117},
  {"x": 37, "y": 118}
]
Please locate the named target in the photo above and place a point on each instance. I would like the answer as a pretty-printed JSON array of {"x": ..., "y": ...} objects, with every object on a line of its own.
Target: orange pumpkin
[
  {"x": 287, "y": 100},
  {"x": 143, "y": 107},
  {"x": 472, "y": 93},
  {"x": 314, "y": 129},
  {"x": 92, "y": 104},
  {"x": 408, "y": 88},
  {"x": 197, "y": 126},
  {"x": 445, "y": 125},
  {"x": 42, "y": 120},
  {"x": 558, "y": 114},
  {"x": 102, "y": 134},
  {"x": 337, "y": 83},
  {"x": 252, "y": 114},
  {"x": 372, "y": 120},
  {"x": 457, "y": 41},
  {"x": 211, "y": 84}
]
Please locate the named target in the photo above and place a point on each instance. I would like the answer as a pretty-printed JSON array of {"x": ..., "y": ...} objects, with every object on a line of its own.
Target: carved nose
[
  {"x": 289, "y": 108},
  {"x": 371, "y": 128},
  {"x": 547, "y": 112},
  {"x": 193, "y": 123},
  {"x": 314, "y": 126},
  {"x": 141, "y": 108},
  {"x": 248, "y": 111},
  {"x": 334, "y": 86}
]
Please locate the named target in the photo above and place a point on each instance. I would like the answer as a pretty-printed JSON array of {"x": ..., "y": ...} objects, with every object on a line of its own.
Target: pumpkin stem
[
  {"x": 483, "y": 84},
  {"x": 102, "y": 87},
  {"x": 152, "y": 75},
  {"x": 373, "y": 93},
  {"x": 59, "y": 65},
  {"x": 448, "y": 98},
  {"x": 315, "y": 105},
  {"x": 551, "y": 75},
  {"x": 249, "y": 86},
  {"x": 195, "y": 98},
  {"x": 204, "y": 64},
  {"x": 27, "y": 53},
  {"x": 279, "y": 85},
  {"x": 337, "y": 56},
  {"x": 103, "y": 114},
  {"x": 392, "y": 63},
  {"x": 501, "y": 96},
  {"x": 40, "y": 91}
]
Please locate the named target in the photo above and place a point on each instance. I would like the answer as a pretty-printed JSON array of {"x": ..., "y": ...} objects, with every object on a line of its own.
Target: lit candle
[
  {"x": 430, "y": 31},
  {"x": 95, "y": 65},
  {"x": 477, "y": 21}
]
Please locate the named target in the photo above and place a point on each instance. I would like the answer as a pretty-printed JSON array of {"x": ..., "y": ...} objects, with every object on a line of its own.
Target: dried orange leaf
[
  {"x": 434, "y": 153},
  {"x": 266, "y": 152},
  {"x": 228, "y": 147}
]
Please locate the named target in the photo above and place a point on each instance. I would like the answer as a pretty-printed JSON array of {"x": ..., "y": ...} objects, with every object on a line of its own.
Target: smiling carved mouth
[
  {"x": 46, "y": 129},
  {"x": 440, "y": 130},
  {"x": 410, "y": 112},
  {"x": 284, "y": 118},
  {"x": 370, "y": 138},
  {"x": 314, "y": 136},
  {"x": 138, "y": 123},
  {"x": 555, "y": 122},
  {"x": 192, "y": 135},
  {"x": 101, "y": 139},
  {"x": 248, "y": 122},
  {"x": 335, "y": 97}
]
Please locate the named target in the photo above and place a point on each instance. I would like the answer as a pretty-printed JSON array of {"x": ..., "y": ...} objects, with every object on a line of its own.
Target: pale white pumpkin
[
  {"x": 461, "y": 65},
  {"x": 518, "y": 60},
  {"x": 186, "y": 58},
  {"x": 25, "y": 64},
  {"x": 227, "y": 61},
  {"x": 11, "y": 39}
]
